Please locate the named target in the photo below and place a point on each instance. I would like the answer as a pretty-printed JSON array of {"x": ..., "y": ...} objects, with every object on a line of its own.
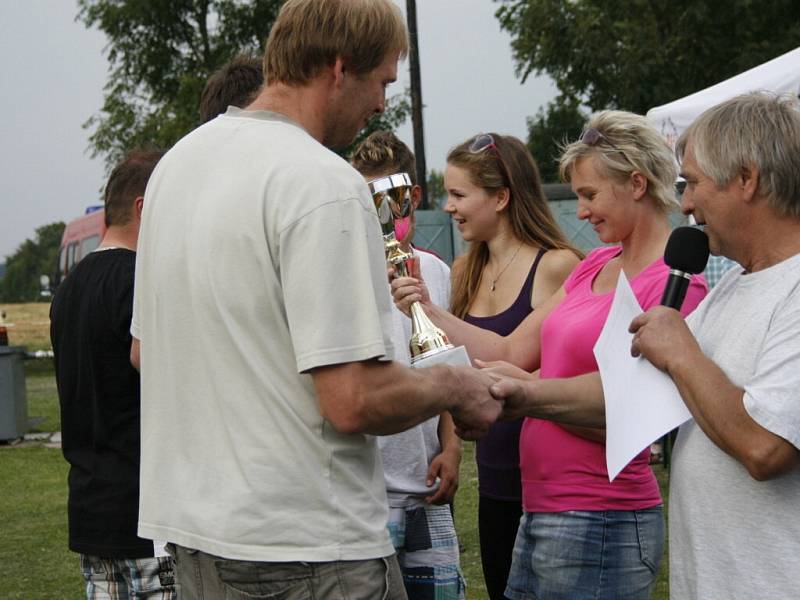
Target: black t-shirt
[{"x": 98, "y": 389}]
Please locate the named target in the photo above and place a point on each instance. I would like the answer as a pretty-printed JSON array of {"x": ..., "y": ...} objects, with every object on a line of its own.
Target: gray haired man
[{"x": 735, "y": 484}]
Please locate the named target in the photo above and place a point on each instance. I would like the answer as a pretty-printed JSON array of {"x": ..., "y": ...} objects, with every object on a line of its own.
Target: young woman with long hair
[{"x": 518, "y": 257}]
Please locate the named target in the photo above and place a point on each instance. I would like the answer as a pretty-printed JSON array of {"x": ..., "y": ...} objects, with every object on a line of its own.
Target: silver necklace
[{"x": 493, "y": 286}]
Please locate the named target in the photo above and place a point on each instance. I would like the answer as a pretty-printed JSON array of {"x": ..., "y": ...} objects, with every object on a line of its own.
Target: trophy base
[{"x": 453, "y": 356}]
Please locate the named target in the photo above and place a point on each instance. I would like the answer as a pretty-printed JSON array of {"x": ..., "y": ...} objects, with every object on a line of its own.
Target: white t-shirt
[
  {"x": 407, "y": 455},
  {"x": 730, "y": 535},
  {"x": 260, "y": 257}
]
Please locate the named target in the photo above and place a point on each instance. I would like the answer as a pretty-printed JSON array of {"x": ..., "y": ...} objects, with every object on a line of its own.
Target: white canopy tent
[{"x": 780, "y": 75}]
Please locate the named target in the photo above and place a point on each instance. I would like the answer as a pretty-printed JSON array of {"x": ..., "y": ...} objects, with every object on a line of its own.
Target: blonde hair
[
  {"x": 381, "y": 152},
  {"x": 309, "y": 35},
  {"x": 629, "y": 143},
  {"x": 760, "y": 129},
  {"x": 506, "y": 164}
]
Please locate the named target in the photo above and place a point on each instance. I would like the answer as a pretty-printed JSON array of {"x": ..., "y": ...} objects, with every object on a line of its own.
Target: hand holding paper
[{"x": 641, "y": 402}]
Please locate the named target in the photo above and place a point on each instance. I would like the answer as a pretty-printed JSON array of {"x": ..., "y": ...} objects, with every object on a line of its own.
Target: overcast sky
[{"x": 54, "y": 70}]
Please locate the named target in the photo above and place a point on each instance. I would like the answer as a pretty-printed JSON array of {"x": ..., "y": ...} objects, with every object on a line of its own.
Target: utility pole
[{"x": 416, "y": 101}]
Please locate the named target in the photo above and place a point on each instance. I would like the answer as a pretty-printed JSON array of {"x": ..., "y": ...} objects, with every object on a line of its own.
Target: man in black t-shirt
[{"x": 98, "y": 389}]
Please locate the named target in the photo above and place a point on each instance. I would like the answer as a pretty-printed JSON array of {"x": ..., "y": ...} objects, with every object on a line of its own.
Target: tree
[
  {"x": 560, "y": 123},
  {"x": 160, "y": 53},
  {"x": 637, "y": 54},
  {"x": 437, "y": 194},
  {"x": 32, "y": 259},
  {"x": 398, "y": 108}
]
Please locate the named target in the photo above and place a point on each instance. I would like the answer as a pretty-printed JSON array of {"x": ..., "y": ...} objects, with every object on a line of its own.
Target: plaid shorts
[
  {"x": 424, "y": 538},
  {"x": 129, "y": 579}
]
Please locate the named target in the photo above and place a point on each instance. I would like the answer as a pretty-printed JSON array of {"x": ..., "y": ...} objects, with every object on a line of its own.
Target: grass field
[
  {"x": 34, "y": 560},
  {"x": 28, "y": 325}
]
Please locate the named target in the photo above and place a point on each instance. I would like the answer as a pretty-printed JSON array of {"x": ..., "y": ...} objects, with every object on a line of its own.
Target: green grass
[
  {"x": 34, "y": 559},
  {"x": 28, "y": 325},
  {"x": 466, "y": 517},
  {"x": 661, "y": 588},
  {"x": 42, "y": 396}
]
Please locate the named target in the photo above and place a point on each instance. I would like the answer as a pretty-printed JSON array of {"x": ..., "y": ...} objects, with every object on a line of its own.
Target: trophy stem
[{"x": 426, "y": 338}]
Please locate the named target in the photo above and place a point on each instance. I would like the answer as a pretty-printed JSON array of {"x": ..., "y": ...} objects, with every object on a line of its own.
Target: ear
[
  {"x": 416, "y": 196},
  {"x": 638, "y": 183},
  {"x": 339, "y": 71},
  {"x": 502, "y": 197},
  {"x": 138, "y": 206},
  {"x": 747, "y": 180}
]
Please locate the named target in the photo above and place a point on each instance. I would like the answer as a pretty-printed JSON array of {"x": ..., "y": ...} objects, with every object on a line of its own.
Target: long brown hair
[{"x": 507, "y": 163}]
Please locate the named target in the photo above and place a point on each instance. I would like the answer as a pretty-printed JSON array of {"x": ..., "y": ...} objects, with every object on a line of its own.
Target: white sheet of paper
[{"x": 642, "y": 402}]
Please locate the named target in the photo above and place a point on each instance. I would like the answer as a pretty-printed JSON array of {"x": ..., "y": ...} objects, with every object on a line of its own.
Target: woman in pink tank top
[
  {"x": 518, "y": 257},
  {"x": 582, "y": 536}
]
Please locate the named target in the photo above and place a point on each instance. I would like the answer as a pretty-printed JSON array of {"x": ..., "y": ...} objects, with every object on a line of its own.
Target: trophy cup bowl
[{"x": 429, "y": 344}]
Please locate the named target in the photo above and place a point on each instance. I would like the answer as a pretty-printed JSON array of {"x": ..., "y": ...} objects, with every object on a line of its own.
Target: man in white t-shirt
[
  {"x": 734, "y": 521},
  {"x": 421, "y": 464},
  {"x": 262, "y": 325}
]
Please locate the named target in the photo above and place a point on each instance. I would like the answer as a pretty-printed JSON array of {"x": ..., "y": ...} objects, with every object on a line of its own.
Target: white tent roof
[{"x": 780, "y": 75}]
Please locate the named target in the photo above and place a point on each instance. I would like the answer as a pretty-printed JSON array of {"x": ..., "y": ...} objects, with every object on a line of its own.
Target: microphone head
[{"x": 687, "y": 250}]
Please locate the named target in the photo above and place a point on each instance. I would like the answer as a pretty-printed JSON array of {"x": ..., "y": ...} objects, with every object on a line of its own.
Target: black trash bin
[{"x": 13, "y": 402}]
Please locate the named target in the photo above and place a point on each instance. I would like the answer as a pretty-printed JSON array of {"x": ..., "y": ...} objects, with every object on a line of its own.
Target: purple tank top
[{"x": 497, "y": 453}]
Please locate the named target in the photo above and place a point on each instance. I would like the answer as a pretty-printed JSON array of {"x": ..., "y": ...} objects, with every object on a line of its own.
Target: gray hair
[
  {"x": 631, "y": 144},
  {"x": 759, "y": 129}
]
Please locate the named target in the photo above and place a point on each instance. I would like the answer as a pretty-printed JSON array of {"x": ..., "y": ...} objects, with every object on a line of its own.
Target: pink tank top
[{"x": 562, "y": 471}]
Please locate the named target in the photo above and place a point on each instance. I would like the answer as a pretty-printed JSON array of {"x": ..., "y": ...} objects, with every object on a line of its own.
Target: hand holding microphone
[{"x": 661, "y": 334}]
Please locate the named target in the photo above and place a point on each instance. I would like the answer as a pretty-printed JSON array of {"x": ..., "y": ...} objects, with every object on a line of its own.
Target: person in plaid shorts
[
  {"x": 98, "y": 390},
  {"x": 420, "y": 464}
]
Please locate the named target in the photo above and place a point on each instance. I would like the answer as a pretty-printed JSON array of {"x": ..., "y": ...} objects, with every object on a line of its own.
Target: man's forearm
[
  {"x": 385, "y": 398},
  {"x": 717, "y": 406},
  {"x": 408, "y": 397},
  {"x": 136, "y": 354}
]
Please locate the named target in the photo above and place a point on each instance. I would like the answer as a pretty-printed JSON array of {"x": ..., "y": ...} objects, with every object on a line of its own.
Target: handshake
[{"x": 494, "y": 391}]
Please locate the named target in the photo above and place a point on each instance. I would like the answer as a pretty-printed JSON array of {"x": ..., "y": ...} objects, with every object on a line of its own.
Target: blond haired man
[{"x": 263, "y": 314}]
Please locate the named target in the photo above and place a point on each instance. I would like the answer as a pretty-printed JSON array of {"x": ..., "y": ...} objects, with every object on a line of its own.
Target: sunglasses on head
[
  {"x": 484, "y": 141},
  {"x": 592, "y": 137},
  {"x": 481, "y": 142}
]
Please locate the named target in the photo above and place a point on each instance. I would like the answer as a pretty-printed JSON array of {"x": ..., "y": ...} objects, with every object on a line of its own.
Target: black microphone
[{"x": 686, "y": 254}]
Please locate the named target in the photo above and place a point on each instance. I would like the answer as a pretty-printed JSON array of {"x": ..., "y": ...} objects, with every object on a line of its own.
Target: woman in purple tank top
[{"x": 518, "y": 257}]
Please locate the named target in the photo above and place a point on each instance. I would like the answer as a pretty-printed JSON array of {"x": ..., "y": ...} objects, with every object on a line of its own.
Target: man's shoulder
[
  {"x": 430, "y": 264},
  {"x": 117, "y": 261},
  {"x": 120, "y": 262},
  {"x": 315, "y": 184},
  {"x": 329, "y": 173}
]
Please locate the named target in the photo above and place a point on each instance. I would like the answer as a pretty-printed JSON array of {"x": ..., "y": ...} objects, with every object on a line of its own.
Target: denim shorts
[{"x": 577, "y": 555}]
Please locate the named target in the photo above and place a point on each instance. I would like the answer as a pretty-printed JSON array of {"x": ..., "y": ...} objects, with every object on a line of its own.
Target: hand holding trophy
[{"x": 429, "y": 344}]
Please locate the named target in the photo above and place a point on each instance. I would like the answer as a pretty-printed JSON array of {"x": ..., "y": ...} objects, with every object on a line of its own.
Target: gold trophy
[{"x": 429, "y": 344}]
